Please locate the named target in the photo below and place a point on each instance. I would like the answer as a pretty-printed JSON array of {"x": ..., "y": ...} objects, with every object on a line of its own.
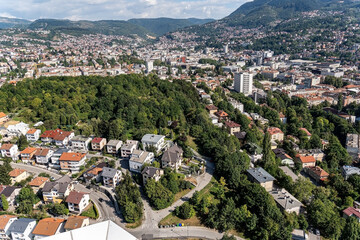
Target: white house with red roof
[
  {"x": 97, "y": 144},
  {"x": 77, "y": 201},
  {"x": 10, "y": 150},
  {"x": 276, "y": 134},
  {"x": 33, "y": 135}
]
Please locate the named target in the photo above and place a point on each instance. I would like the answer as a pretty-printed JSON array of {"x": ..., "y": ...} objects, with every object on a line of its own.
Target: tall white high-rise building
[
  {"x": 243, "y": 83},
  {"x": 149, "y": 66},
  {"x": 226, "y": 48}
]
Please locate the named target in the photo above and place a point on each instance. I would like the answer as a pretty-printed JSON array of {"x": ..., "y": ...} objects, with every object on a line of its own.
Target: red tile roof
[
  {"x": 75, "y": 197},
  {"x": 274, "y": 130},
  {"x": 350, "y": 211},
  {"x": 97, "y": 140},
  {"x": 16, "y": 172},
  {"x": 71, "y": 156},
  {"x": 47, "y": 226},
  {"x": 306, "y": 159},
  {"x": 232, "y": 124},
  {"x": 31, "y": 131},
  {"x": 6, "y": 146}
]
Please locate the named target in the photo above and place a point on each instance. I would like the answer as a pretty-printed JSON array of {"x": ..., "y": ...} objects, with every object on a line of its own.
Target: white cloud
[
  {"x": 7, "y": 15},
  {"x": 118, "y": 9}
]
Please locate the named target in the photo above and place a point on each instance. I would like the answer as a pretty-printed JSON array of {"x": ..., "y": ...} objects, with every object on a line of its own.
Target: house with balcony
[
  {"x": 56, "y": 192},
  {"x": 48, "y": 227},
  {"x": 212, "y": 109},
  {"x": 151, "y": 173},
  {"x": 97, "y": 144},
  {"x": 18, "y": 129},
  {"x": 80, "y": 143},
  {"x": 155, "y": 141},
  {"x": 172, "y": 157},
  {"x": 276, "y": 134},
  {"x": 59, "y": 137},
  {"x": 33, "y": 135},
  {"x": 27, "y": 155},
  {"x": 55, "y": 158},
  {"x": 128, "y": 148},
  {"x": 10, "y": 192},
  {"x": 139, "y": 158},
  {"x": 232, "y": 127},
  {"x": 111, "y": 177},
  {"x": 77, "y": 201},
  {"x": 113, "y": 146},
  {"x": 317, "y": 173},
  {"x": 10, "y": 150},
  {"x": 43, "y": 155},
  {"x": 21, "y": 229},
  {"x": 305, "y": 161},
  {"x": 70, "y": 161},
  {"x": 5, "y": 223}
]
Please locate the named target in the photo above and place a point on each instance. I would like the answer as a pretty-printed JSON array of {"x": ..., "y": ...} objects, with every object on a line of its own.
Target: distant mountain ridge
[
  {"x": 161, "y": 26},
  {"x": 12, "y": 22}
]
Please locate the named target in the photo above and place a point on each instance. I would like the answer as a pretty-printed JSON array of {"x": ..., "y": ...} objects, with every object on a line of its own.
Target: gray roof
[
  {"x": 151, "y": 171},
  {"x": 285, "y": 199},
  {"x": 114, "y": 142},
  {"x": 139, "y": 156},
  {"x": 9, "y": 190},
  {"x": 20, "y": 225},
  {"x": 80, "y": 138},
  {"x": 260, "y": 175},
  {"x": 288, "y": 172},
  {"x": 108, "y": 172},
  {"x": 152, "y": 138},
  {"x": 60, "y": 185},
  {"x": 172, "y": 155},
  {"x": 61, "y": 151},
  {"x": 350, "y": 170}
]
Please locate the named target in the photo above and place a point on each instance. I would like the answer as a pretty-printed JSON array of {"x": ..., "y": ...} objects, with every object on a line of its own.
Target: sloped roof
[
  {"x": 2, "y": 115},
  {"x": 47, "y": 226},
  {"x": 4, "y": 219},
  {"x": 16, "y": 172},
  {"x": 28, "y": 150},
  {"x": 75, "y": 197},
  {"x": 74, "y": 222},
  {"x": 260, "y": 175},
  {"x": 6, "y": 146},
  {"x": 108, "y": 172},
  {"x": 20, "y": 225},
  {"x": 106, "y": 230},
  {"x": 71, "y": 156},
  {"x": 38, "y": 181},
  {"x": 60, "y": 185}
]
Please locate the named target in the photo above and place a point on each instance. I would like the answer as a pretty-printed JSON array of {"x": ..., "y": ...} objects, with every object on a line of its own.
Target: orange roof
[
  {"x": 71, "y": 156},
  {"x": 6, "y": 146},
  {"x": 318, "y": 171},
  {"x": 47, "y": 226},
  {"x": 232, "y": 124},
  {"x": 274, "y": 130},
  {"x": 42, "y": 152},
  {"x": 16, "y": 172},
  {"x": 306, "y": 131},
  {"x": 31, "y": 131},
  {"x": 38, "y": 181},
  {"x": 221, "y": 113},
  {"x": 28, "y": 150},
  {"x": 306, "y": 159},
  {"x": 74, "y": 222},
  {"x": 95, "y": 171},
  {"x": 4, "y": 219},
  {"x": 2, "y": 115}
]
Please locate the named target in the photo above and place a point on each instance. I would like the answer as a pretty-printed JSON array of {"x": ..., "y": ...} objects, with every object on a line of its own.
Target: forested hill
[
  {"x": 12, "y": 22},
  {"x": 160, "y": 26},
  {"x": 113, "y": 107},
  {"x": 107, "y": 27}
]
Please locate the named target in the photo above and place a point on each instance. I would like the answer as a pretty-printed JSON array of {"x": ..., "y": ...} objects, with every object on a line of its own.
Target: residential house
[
  {"x": 259, "y": 175},
  {"x": 17, "y": 175},
  {"x": 232, "y": 127},
  {"x": 10, "y": 151},
  {"x": 18, "y": 129},
  {"x": 38, "y": 183},
  {"x": 276, "y": 134},
  {"x": 77, "y": 201},
  {"x": 128, "y": 148},
  {"x": 55, "y": 158},
  {"x": 308, "y": 134},
  {"x": 113, "y": 146},
  {"x": 289, "y": 173},
  {"x": 43, "y": 155},
  {"x": 172, "y": 157},
  {"x": 352, "y": 212},
  {"x": 94, "y": 173},
  {"x": 305, "y": 161},
  {"x": 111, "y": 177},
  {"x": 74, "y": 222},
  {"x": 212, "y": 109},
  {"x": 318, "y": 154},
  {"x": 151, "y": 173},
  {"x": 255, "y": 152},
  {"x": 284, "y": 157},
  {"x": 152, "y": 140},
  {"x": 47, "y": 227},
  {"x": 59, "y": 137},
  {"x": 57, "y": 191},
  {"x": 21, "y": 229},
  {"x": 97, "y": 144},
  {"x": 283, "y": 118},
  {"x": 5, "y": 222},
  {"x": 317, "y": 173},
  {"x": 223, "y": 116},
  {"x": 10, "y": 192},
  {"x": 139, "y": 158},
  {"x": 3, "y": 118},
  {"x": 71, "y": 161},
  {"x": 80, "y": 143},
  {"x": 286, "y": 201},
  {"x": 347, "y": 171},
  {"x": 299, "y": 234},
  {"x": 27, "y": 155},
  {"x": 33, "y": 135}
]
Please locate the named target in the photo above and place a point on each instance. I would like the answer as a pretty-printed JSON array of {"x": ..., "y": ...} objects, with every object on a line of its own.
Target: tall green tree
[{"x": 4, "y": 202}]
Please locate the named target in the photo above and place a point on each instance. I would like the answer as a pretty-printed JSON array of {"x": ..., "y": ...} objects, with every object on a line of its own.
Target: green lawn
[
  {"x": 172, "y": 219},
  {"x": 91, "y": 212},
  {"x": 191, "y": 143}
]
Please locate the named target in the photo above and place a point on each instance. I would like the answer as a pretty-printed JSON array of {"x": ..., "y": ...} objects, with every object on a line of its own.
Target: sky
[{"x": 117, "y": 9}]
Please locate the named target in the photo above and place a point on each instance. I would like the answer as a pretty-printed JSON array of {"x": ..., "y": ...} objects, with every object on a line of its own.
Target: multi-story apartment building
[
  {"x": 243, "y": 83},
  {"x": 71, "y": 161}
]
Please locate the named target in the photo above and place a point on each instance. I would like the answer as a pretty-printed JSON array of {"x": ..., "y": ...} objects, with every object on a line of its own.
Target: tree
[
  {"x": 185, "y": 211},
  {"x": 351, "y": 230},
  {"x": 22, "y": 142},
  {"x": 303, "y": 188},
  {"x": 27, "y": 194},
  {"x": 4, "y": 202},
  {"x": 160, "y": 197},
  {"x": 25, "y": 207},
  {"x": 4, "y": 175},
  {"x": 58, "y": 209}
]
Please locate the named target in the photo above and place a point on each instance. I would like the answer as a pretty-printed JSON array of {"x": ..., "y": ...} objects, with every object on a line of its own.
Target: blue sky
[{"x": 117, "y": 9}]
